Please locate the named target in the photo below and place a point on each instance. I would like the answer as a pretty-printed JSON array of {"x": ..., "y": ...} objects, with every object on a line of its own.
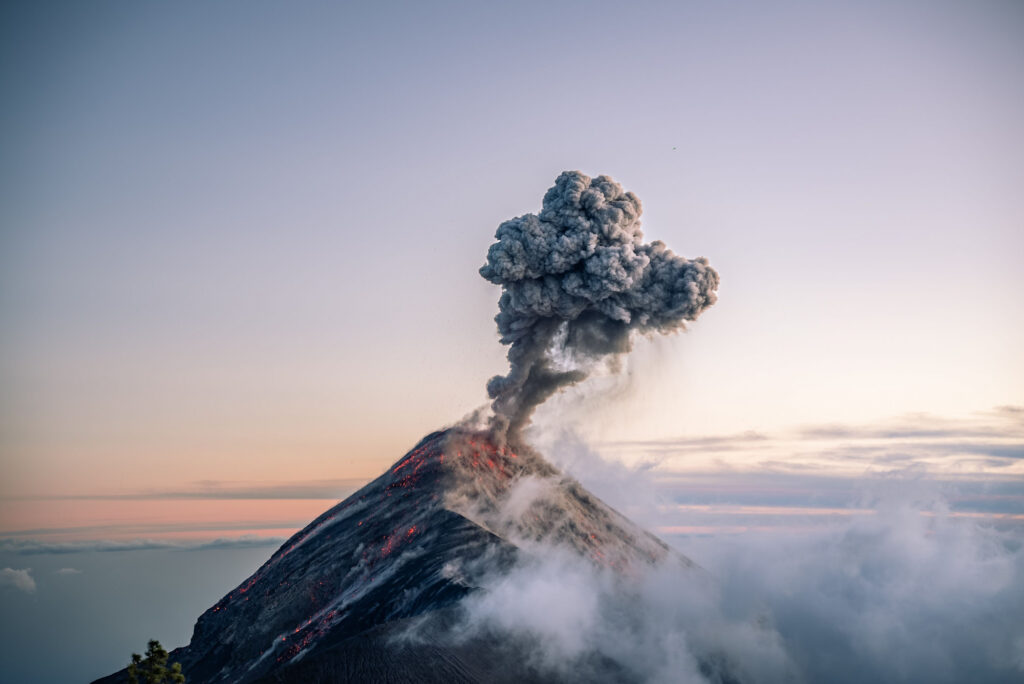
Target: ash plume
[{"x": 577, "y": 281}]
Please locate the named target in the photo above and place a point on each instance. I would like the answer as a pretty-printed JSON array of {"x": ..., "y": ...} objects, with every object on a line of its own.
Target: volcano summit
[
  {"x": 378, "y": 588},
  {"x": 335, "y": 602}
]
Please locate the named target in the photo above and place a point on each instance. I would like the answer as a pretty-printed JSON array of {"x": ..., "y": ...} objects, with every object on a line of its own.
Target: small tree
[{"x": 153, "y": 668}]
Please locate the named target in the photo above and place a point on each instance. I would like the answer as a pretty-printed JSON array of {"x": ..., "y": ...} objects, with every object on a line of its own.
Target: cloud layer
[
  {"x": 899, "y": 575},
  {"x": 985, "y": 443},
  {"x": 897, "y": 596},
  {"x": 29, "y": 547}
]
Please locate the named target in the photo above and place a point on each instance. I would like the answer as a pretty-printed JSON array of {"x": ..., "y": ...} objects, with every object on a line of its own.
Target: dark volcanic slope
[{"x": 413, "y": 541}]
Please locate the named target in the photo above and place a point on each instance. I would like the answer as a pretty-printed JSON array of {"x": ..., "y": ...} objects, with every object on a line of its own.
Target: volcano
[
  {"x": 333, "y": 602},
  {"x": 371, "y": 590}
]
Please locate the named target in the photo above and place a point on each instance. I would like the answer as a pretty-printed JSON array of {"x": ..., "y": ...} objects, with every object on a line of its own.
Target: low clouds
[
  {"x": 899, "y": 595},
  {"x": 18, "y": 579},
  {"x": 582, "y": 623},
  {"x": 67, "y": 571},
  {"x": 813, "y": 570}
]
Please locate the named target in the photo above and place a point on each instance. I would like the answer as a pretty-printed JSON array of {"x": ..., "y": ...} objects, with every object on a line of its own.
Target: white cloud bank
[{"x": 905, "y": 594}]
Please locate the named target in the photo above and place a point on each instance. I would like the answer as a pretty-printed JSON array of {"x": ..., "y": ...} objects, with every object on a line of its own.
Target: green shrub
[{"x": 153, "y": 668}]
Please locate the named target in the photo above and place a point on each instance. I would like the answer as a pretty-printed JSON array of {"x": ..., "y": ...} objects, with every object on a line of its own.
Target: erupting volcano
[
  {"x": 338, "y": 601},
  {"x": 413, "y": 541}
]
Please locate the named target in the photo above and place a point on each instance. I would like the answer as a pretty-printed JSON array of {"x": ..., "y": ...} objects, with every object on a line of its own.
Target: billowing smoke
[{"x": 577, "y": 281}]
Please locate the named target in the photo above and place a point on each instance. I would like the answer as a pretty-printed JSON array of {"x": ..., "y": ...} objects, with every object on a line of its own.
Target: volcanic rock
[{"x": 332, "y": 604}]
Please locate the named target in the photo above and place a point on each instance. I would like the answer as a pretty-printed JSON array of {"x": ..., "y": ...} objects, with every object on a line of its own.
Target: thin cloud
[
  {"x": 1010, "y": 412},
  {"x": 990, "y": 443},
  {"x": 28, "y": 547},
  {"x": 999, "y": 423},
  {"x": 1008, "y": 424},
  {"x": 964, "y": 492},
  {"x": 67, "y": 571},
  {"x": 334, "y": 489},
  {"x": 19, "y": 579},
  {"x": 731, "y": 442},
  {"x": 139, "y": 530},
  {"x": 953, "y": 453}
]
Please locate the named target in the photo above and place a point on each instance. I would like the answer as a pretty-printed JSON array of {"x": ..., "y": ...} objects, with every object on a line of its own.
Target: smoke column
[{"x": 577, "y": 281}]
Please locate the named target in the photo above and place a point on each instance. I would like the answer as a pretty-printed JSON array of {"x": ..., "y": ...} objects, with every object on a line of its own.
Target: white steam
[{"x": 902, "y": 595}]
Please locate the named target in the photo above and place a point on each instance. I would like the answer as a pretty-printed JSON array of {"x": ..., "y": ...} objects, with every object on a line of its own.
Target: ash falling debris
[{"x": 577, "y": 281}]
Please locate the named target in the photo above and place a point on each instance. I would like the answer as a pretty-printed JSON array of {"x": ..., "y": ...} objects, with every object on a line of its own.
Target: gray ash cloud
[{"x": 577, "y": 282}]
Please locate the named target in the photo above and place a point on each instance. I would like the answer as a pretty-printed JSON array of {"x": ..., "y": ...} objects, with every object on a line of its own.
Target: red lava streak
[
  {"x": 248, "y": 585},
  {"x": 412, "y": 465},
  {"x": 391, "y": 540}
]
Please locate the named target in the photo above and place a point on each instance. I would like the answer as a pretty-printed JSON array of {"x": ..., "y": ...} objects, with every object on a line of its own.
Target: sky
[{"x": 239, "y": 253}]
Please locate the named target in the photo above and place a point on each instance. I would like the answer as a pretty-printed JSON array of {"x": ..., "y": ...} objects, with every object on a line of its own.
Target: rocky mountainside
[{"x": 328, "y": 604}]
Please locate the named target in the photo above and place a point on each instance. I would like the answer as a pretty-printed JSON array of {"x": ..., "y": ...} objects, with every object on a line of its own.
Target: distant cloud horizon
[
  {"x": 327, "y": 488},
  {"x": 30, "y": 547},
  {"x": 808, "y": 476},
  {"x": 986, "y": 442}
]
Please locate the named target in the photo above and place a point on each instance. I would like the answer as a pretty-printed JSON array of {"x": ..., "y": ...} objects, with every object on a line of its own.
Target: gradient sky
[
  {"x": 239, "y": 246},
  {"x": 240, "y": 241}
]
